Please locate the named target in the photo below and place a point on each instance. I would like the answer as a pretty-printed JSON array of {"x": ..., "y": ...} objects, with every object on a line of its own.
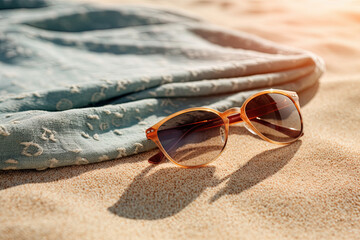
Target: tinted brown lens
[
  {"x": 193, "y": 138},
  {"x": 275, "y": 116}
]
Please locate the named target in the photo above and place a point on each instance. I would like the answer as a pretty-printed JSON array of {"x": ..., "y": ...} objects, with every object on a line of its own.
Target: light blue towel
[{"x": 80, "y": 84}]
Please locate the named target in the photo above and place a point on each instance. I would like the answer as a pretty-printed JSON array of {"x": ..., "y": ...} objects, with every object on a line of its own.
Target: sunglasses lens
[
  {"x": 275, "y": 116},
  {"x": 193, "y": 138}
]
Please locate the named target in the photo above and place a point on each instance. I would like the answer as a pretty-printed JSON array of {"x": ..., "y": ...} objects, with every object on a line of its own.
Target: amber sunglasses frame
[{"x": 151, "y": 133}]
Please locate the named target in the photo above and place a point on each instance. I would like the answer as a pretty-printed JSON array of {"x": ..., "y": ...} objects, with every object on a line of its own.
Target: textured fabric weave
[{"x": 80, "y": 83}]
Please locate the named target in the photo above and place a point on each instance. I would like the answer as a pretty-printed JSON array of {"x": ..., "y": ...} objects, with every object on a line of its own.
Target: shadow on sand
[{"x": 166, "y": 192}]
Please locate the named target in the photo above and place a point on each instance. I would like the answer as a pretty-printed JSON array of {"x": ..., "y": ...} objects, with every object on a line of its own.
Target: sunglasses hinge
[{"x": 150, "y": 133}]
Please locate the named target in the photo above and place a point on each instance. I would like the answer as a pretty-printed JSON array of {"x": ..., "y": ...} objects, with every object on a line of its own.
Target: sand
[{"x": 256, "y": 190}]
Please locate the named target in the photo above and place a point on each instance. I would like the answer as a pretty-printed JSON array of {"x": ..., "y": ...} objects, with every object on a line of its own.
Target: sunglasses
[{"x": 195, "y": 137}]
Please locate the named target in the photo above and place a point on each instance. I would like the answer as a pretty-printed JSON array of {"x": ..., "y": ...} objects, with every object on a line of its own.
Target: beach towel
[{"x": 81, "y": 83}]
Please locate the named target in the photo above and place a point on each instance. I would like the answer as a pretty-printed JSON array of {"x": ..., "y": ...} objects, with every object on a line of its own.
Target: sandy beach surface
[{"x": 256, "y": 190}]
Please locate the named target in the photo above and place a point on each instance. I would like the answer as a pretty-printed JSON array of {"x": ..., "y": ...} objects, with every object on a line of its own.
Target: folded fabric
[{"x": 80, "y": 83}]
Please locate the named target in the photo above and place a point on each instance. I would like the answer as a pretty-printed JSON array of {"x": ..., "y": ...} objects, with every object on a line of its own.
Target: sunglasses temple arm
[
  {"x": 287, "y": 131},
  {"x": 157, "y": 158}
]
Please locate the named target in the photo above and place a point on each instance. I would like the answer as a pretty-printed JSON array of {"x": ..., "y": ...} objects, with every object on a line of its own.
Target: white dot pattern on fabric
[
  {"x": 138, "y": 146},
  {"x": 3, "y": 131},
  {"x": 74, "y": 89},
  {"x": 107, "y": 81},
  {"x": 53, "y": 162},
  {"x": 214, "y": 86},
  {"x": 48, "y": 135},
  {"x": 31, "y": 149},
  {"x": 193, "y": 88},
  {"x": 85, "y": 135},
  {"x": 81, "y": 161},
  {"x": 103, "y": 158},
  {"x": 20, "y": 97},
  {"x": 118, "y": 132},
  {"x": 96, "y": 97},
  {"x": 90, "y": 126},
  {"x": 121, "y": 152},
  {"x": 77, "y": 150},
  {"x": 12, "y": 161},
  {"x": 93, "y": 117},
  {"x": 121, "y": 85},
  {"x": 145, "y": 79},
  {"x": 103, "y": 126},
  {"x": 64, "y": 104},
  {"x": 118, "y": 115},
  {"x": 116, "y": 121},
  {"x": 96, "y": 137},
  {"x": 166, "y": 79},
  {"x": 122, "y": 108},
  {"x": 194, "y": 73}
]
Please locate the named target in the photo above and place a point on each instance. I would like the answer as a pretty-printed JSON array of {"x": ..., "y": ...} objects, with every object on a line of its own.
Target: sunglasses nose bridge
[
  {"x": 231, "y": 111},
  {"x": 234, "y": 115}
]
